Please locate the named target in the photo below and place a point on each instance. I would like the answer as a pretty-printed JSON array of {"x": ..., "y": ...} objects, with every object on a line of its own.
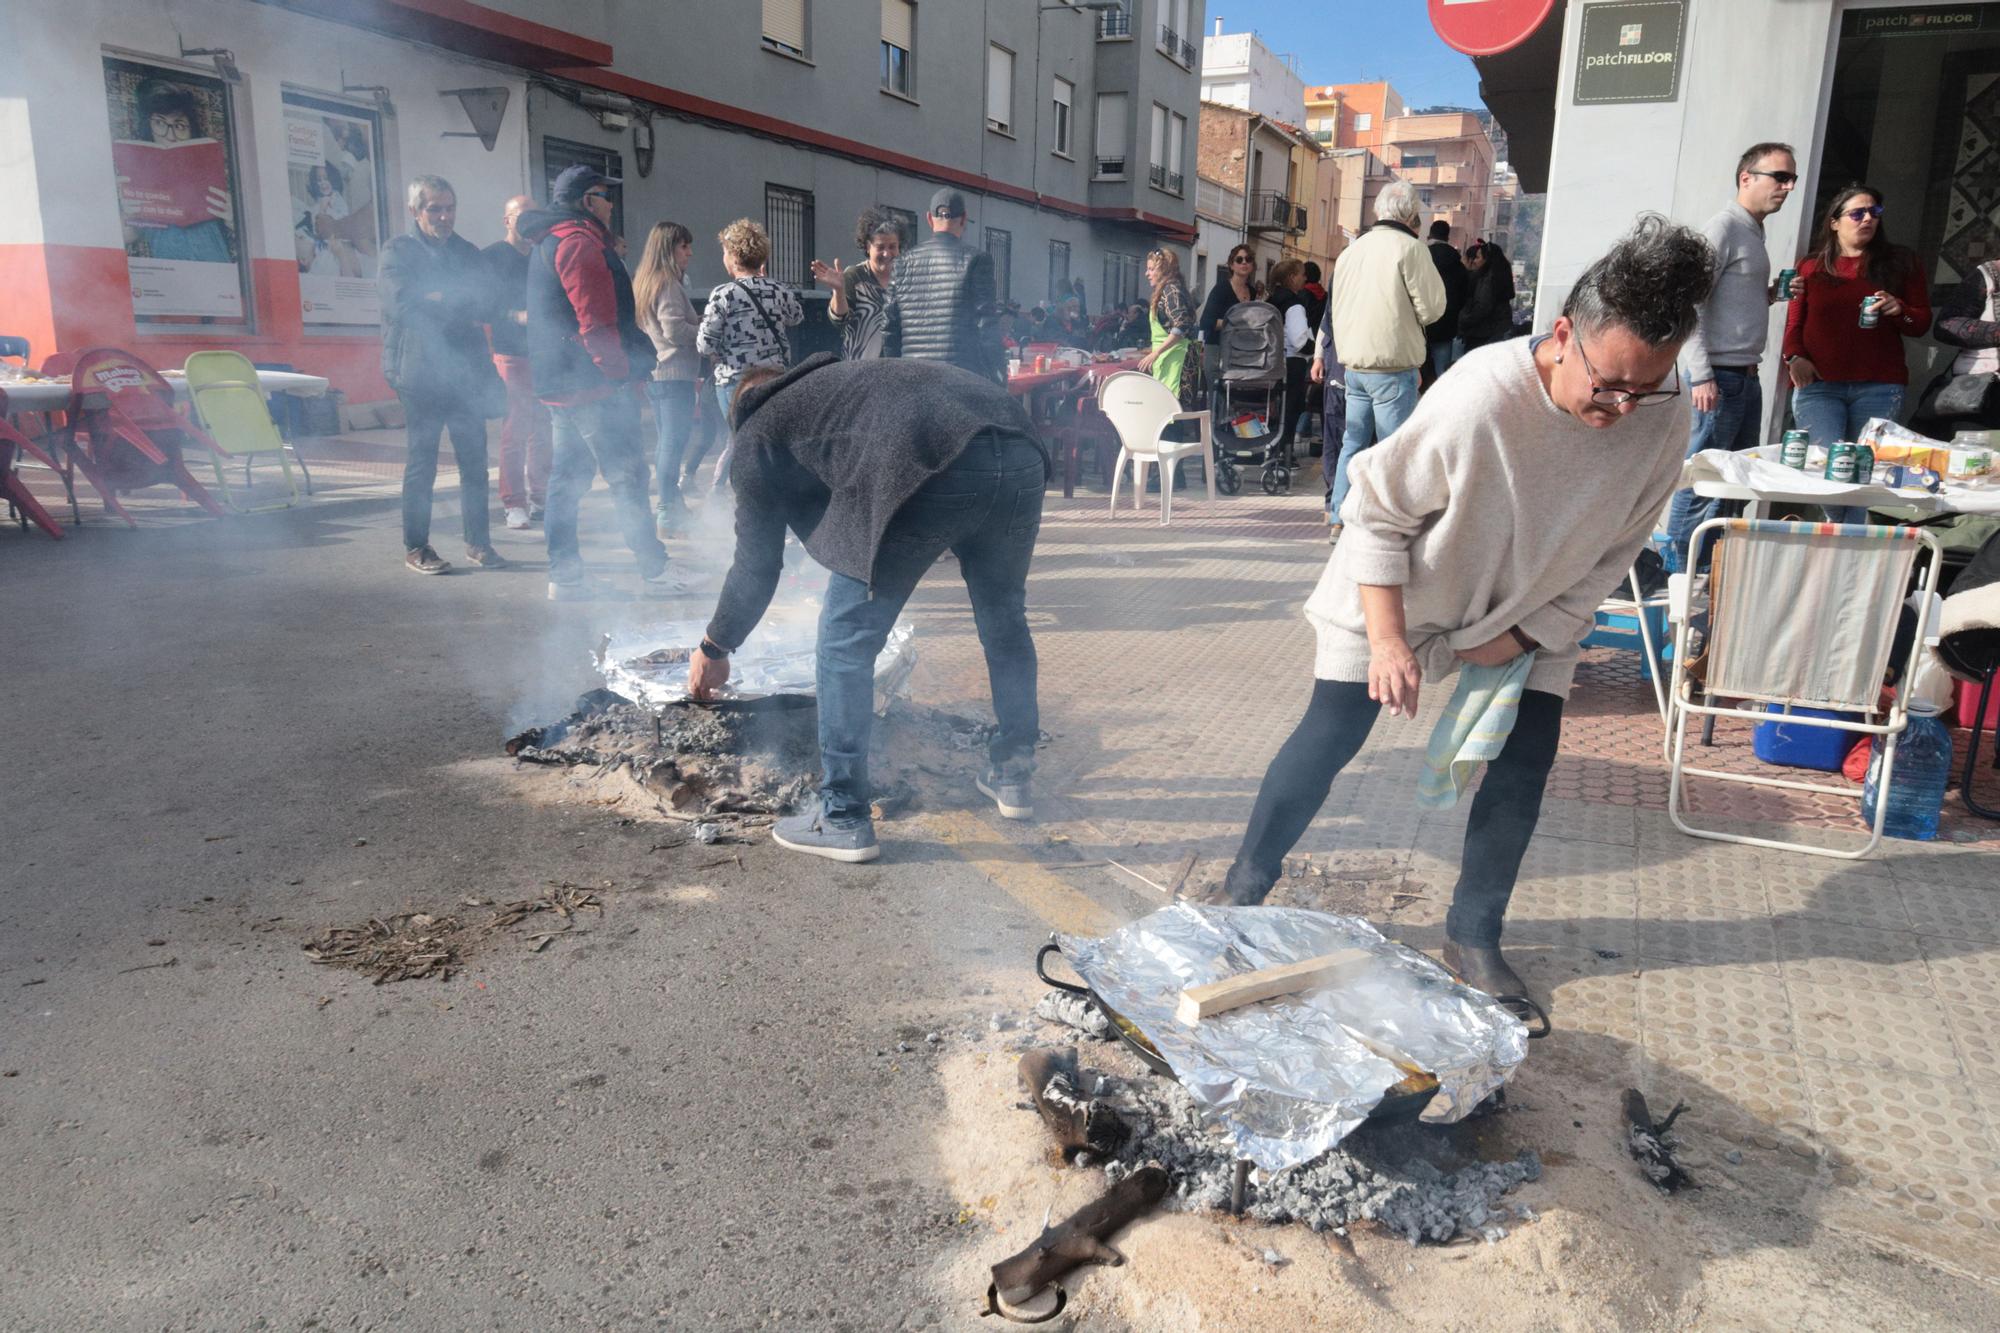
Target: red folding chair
[
  {"x": 122, "y": 431},
  {"x": 14, "y": 445}
]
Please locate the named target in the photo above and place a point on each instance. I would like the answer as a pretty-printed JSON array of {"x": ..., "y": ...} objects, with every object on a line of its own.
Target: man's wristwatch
[{"x": 709, "y": 650}]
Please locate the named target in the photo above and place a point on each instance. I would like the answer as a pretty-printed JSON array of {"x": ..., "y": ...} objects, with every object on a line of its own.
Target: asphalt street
[{"x": 690, "y": 1112}]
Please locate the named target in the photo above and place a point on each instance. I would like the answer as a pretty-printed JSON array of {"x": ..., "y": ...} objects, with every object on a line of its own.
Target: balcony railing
[
  {"x": 1157, "y": 174},
  {"x": 1218, "y": 201},
  {"x": 1175, "y": 47},
  {"x": 1189, "y": 53},
  {"x": 1113, "y": 23},
  {"x": 1269, "y": 211},
  {"x": 1111, "y": 166},
  {"x": 1174, "y": 182}
]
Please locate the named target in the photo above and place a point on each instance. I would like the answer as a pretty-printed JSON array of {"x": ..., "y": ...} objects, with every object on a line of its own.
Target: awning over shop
[
  {"x": 1519, "y": 88},
  {"x": 462, "y": 26}
]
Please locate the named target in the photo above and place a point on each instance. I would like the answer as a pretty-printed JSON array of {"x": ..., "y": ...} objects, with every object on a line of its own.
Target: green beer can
[
  {"x": 1869, "y": 316},
  {"x": 1840, "y": 462},
  {"x": 1785, "y": 279},
  {"x": 1864, "y": 465},
  {"x": 1794, "y": 454}
]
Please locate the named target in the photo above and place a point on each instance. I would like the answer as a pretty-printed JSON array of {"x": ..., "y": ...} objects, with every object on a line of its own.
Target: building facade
[
  {"x": 1239, "y": 70},
  {"x": 1445, "y": 153},
  {"x": 1260, "y": 180},
  {"x": 249, "y": 214}
]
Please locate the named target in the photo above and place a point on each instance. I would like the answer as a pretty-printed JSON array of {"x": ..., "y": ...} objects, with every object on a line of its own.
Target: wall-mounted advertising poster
[
  {"x": 174, "y": 151},
  {"x": 333, "y": 165}
]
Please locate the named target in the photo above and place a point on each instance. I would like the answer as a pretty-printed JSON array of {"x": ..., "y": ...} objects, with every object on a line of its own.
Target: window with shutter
[
  {"x": 1065, "y": 93},
  {"x": 1000, "y": 89},
  {"x": 899, "y": 43},
  {"x": 785, "y": 25},
  {"x": 1111, "y": 134}
]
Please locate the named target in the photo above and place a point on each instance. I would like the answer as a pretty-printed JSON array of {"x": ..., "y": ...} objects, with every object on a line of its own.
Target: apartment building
[
  {"x": 1445, "y": 153},
  {"x": 1352, "y": 115},
  {"x": 1239, "y": 70},
  {"x": 1259, "y": 184},
  {"x": 1067, "y": 126}
]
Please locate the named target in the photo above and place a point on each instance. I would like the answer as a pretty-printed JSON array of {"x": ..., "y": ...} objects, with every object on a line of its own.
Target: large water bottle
[{"x": 1923, "y": 771}]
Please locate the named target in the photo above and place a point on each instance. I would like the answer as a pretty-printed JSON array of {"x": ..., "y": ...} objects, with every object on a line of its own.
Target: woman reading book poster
[{"x": 173, "y": 176}]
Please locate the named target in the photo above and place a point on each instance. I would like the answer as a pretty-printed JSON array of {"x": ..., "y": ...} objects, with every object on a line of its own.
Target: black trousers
[{"x": 1503, "y": 817}]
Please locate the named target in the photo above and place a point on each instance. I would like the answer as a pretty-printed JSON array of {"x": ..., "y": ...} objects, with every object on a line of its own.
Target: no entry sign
[{"x": 1487, "y": 27}]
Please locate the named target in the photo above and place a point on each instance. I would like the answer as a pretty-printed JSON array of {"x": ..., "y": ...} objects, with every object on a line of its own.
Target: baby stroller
[{"x": 1249, "y": 399}]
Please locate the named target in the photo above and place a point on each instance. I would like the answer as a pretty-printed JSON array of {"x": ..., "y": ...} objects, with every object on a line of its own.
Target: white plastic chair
[
  {"x": 1140, "y": 409},
  {"x": 1803, "y": 615}
]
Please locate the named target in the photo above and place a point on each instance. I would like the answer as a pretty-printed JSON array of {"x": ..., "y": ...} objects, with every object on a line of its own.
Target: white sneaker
[{"x": 517, "y": 517}]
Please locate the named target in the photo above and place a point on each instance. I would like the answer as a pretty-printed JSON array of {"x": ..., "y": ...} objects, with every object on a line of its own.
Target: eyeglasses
[
  {"x": 1604, "y": 396},
  {"x": 1243, "y": 259},
  {"x": 1863, "y": 214},
  {"x": 1782, "y": 177},
  {"x": 597, "y": 194}
]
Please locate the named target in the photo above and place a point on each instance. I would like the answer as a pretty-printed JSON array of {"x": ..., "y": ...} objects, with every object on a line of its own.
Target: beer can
[
  {"x": 1840, "y": 462},
  {"x": 1864, "y": 464},
  {"x": 1785, "y": 280},
  {"x": 1794, "y": 454},
  {"x": 1869, "y": 317}
]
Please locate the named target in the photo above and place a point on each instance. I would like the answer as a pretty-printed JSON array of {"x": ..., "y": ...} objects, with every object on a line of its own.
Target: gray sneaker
[
  {"x": 811, "y": 834},
  {"x": 1011, "y": 795}
]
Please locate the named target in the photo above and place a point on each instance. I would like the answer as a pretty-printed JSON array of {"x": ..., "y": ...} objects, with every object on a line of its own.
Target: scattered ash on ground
[
  {"x": 1421, "y": 1182},
  {"x": 413, "y": 945},
  {"x": 749, "y": 757}
]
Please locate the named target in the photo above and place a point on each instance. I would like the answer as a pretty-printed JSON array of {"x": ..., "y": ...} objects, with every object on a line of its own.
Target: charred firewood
[
  {"x": 1079, "y": 1239},
  {"x": 1650, "y": 1145},
  {"x": 1081, "y": 1123}
]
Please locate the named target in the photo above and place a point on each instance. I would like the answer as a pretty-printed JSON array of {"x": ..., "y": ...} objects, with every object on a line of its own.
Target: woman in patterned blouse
[{"x": 859, "y": 298}]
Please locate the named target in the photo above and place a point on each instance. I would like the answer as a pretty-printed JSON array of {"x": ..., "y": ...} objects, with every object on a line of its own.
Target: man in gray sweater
[{"x": 1720, "y": 361}]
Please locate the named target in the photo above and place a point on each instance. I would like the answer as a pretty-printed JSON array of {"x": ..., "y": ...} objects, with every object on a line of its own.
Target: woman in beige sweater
[
  {"x": 1491, "y": 525},
  {"x": 659, "y": 290}
]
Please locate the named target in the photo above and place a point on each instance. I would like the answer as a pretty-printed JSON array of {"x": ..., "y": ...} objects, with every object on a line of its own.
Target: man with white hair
[
  {"x": 1385, "y": 289},
  {"x": 436, "y": 301}
]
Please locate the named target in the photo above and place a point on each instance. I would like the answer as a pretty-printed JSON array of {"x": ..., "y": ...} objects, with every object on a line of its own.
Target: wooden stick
[
  {"x": 1079, "y": 1239},
  {"x": 1266, "y": 983},
  {"x": 1079, "y": 1121}
]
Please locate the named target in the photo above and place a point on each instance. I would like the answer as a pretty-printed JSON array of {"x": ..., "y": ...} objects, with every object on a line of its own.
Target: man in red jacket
[{"x": 587, "y": 354}]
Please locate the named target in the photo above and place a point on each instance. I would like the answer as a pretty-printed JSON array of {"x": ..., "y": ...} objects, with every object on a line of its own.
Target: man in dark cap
[
  {"x": 881, "y": 467},
  {"x": 943, "y": 305},
  {"x": 587, "y": 355}
]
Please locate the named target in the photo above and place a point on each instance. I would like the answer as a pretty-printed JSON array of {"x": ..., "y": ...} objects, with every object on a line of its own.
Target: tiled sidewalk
[{"x": 1834, "y": 1014}]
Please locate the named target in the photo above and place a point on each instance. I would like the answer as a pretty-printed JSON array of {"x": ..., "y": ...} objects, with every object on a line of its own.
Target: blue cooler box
[{"x": 1799, "y": 746}]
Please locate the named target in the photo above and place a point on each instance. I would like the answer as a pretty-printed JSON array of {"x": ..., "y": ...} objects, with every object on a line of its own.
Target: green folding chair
[{"x": 229, "y": 404}]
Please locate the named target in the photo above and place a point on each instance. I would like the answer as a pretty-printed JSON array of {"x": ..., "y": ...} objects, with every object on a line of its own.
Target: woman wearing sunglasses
[{"x": 1843, "y": 373}]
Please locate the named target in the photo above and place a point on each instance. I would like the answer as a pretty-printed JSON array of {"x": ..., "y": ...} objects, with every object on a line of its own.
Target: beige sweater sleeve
[{"x": 1389, "y": 502}]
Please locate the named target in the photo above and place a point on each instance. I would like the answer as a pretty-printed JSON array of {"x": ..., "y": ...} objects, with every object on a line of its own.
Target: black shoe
[
  {"x": 535, "y": 513},
  {"x": 1483, "y": 968},
  {"x": 485, "y": 557}
]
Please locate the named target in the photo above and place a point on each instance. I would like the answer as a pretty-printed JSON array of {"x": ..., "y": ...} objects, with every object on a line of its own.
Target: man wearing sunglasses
[{"x": 1721, "y": 359}]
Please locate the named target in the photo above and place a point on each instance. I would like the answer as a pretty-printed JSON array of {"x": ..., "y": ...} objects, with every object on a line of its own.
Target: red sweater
[{"x": 1824, "y": 323}]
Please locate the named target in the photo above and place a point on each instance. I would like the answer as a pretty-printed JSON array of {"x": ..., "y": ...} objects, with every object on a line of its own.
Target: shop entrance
[{"x": 1915, "y": 112}]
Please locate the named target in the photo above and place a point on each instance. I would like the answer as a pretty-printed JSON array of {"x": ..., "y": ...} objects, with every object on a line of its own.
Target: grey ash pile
[{"x": 1421, "y": 1182}]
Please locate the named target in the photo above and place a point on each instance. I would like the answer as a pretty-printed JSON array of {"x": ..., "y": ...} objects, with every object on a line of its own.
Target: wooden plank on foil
[{"x": 1267, "y": 983}]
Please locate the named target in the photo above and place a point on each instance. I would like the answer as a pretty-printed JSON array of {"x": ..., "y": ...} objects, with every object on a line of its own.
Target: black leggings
[{"x": 1503, "y": 815}]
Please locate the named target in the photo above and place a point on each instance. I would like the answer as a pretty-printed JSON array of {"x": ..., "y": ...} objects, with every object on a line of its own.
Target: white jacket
[{"x": 1385, "y": 289}]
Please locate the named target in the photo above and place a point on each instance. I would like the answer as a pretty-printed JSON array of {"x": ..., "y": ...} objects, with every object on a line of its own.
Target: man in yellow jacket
[{"x": 1385, "y": 289}]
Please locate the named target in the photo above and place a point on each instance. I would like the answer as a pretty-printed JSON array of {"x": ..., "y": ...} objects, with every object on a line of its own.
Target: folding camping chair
[
  {"x": 122, "y": 431},
  {"x": 229, "y": 404},
  {"x": 20, "y": 500},
  {"x": 1801, "y": 615}
]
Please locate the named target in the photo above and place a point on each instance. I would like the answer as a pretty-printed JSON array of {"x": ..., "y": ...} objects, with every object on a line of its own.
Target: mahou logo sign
[{"x": 1487, "y": 27}]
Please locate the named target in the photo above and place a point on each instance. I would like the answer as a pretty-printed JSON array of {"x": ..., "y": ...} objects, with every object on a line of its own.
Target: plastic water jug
[{"x": 1916, "y": 790}]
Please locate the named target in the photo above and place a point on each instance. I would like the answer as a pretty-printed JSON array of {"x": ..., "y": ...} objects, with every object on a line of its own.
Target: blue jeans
[
  {"x": 1377, "y": 403},
  {"x": 986, "y": 509},
  {"x": 589, "y": 438},
  {"x": 673, "y": 419},
  {"x": 426, "y": 421},
  {"x": 1441, "y": 355},
  {"x": 1736, "y": 424},
  {"x": 1830, "y": 411}
]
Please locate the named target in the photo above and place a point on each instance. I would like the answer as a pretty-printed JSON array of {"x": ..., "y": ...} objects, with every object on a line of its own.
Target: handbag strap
[{"x": 784, "y": 344}]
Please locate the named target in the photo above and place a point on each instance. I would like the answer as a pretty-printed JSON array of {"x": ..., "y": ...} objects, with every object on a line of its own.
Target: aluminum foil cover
[
  {"x": 1289, "y": 1078},
  {"x": 779, "y": 657}
]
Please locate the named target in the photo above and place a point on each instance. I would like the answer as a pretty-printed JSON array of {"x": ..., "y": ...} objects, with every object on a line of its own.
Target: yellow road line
[{"x": 1019, "y": 876}]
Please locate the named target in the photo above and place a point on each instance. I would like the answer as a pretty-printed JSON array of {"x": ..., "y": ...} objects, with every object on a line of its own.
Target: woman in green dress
[{"x": 1172, "y": 320}]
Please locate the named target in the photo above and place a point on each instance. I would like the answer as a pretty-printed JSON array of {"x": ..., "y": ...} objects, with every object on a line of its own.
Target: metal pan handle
[
  {"x": 1042, "y": 972},
  {"x": 1528, "y": 1012}
]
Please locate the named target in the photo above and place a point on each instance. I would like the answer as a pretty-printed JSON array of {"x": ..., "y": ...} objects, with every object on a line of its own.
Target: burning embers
[{"x": 733, "y": 757}]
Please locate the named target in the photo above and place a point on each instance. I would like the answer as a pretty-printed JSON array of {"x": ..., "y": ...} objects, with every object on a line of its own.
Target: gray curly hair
[{"x": 1651, "y": 283}]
